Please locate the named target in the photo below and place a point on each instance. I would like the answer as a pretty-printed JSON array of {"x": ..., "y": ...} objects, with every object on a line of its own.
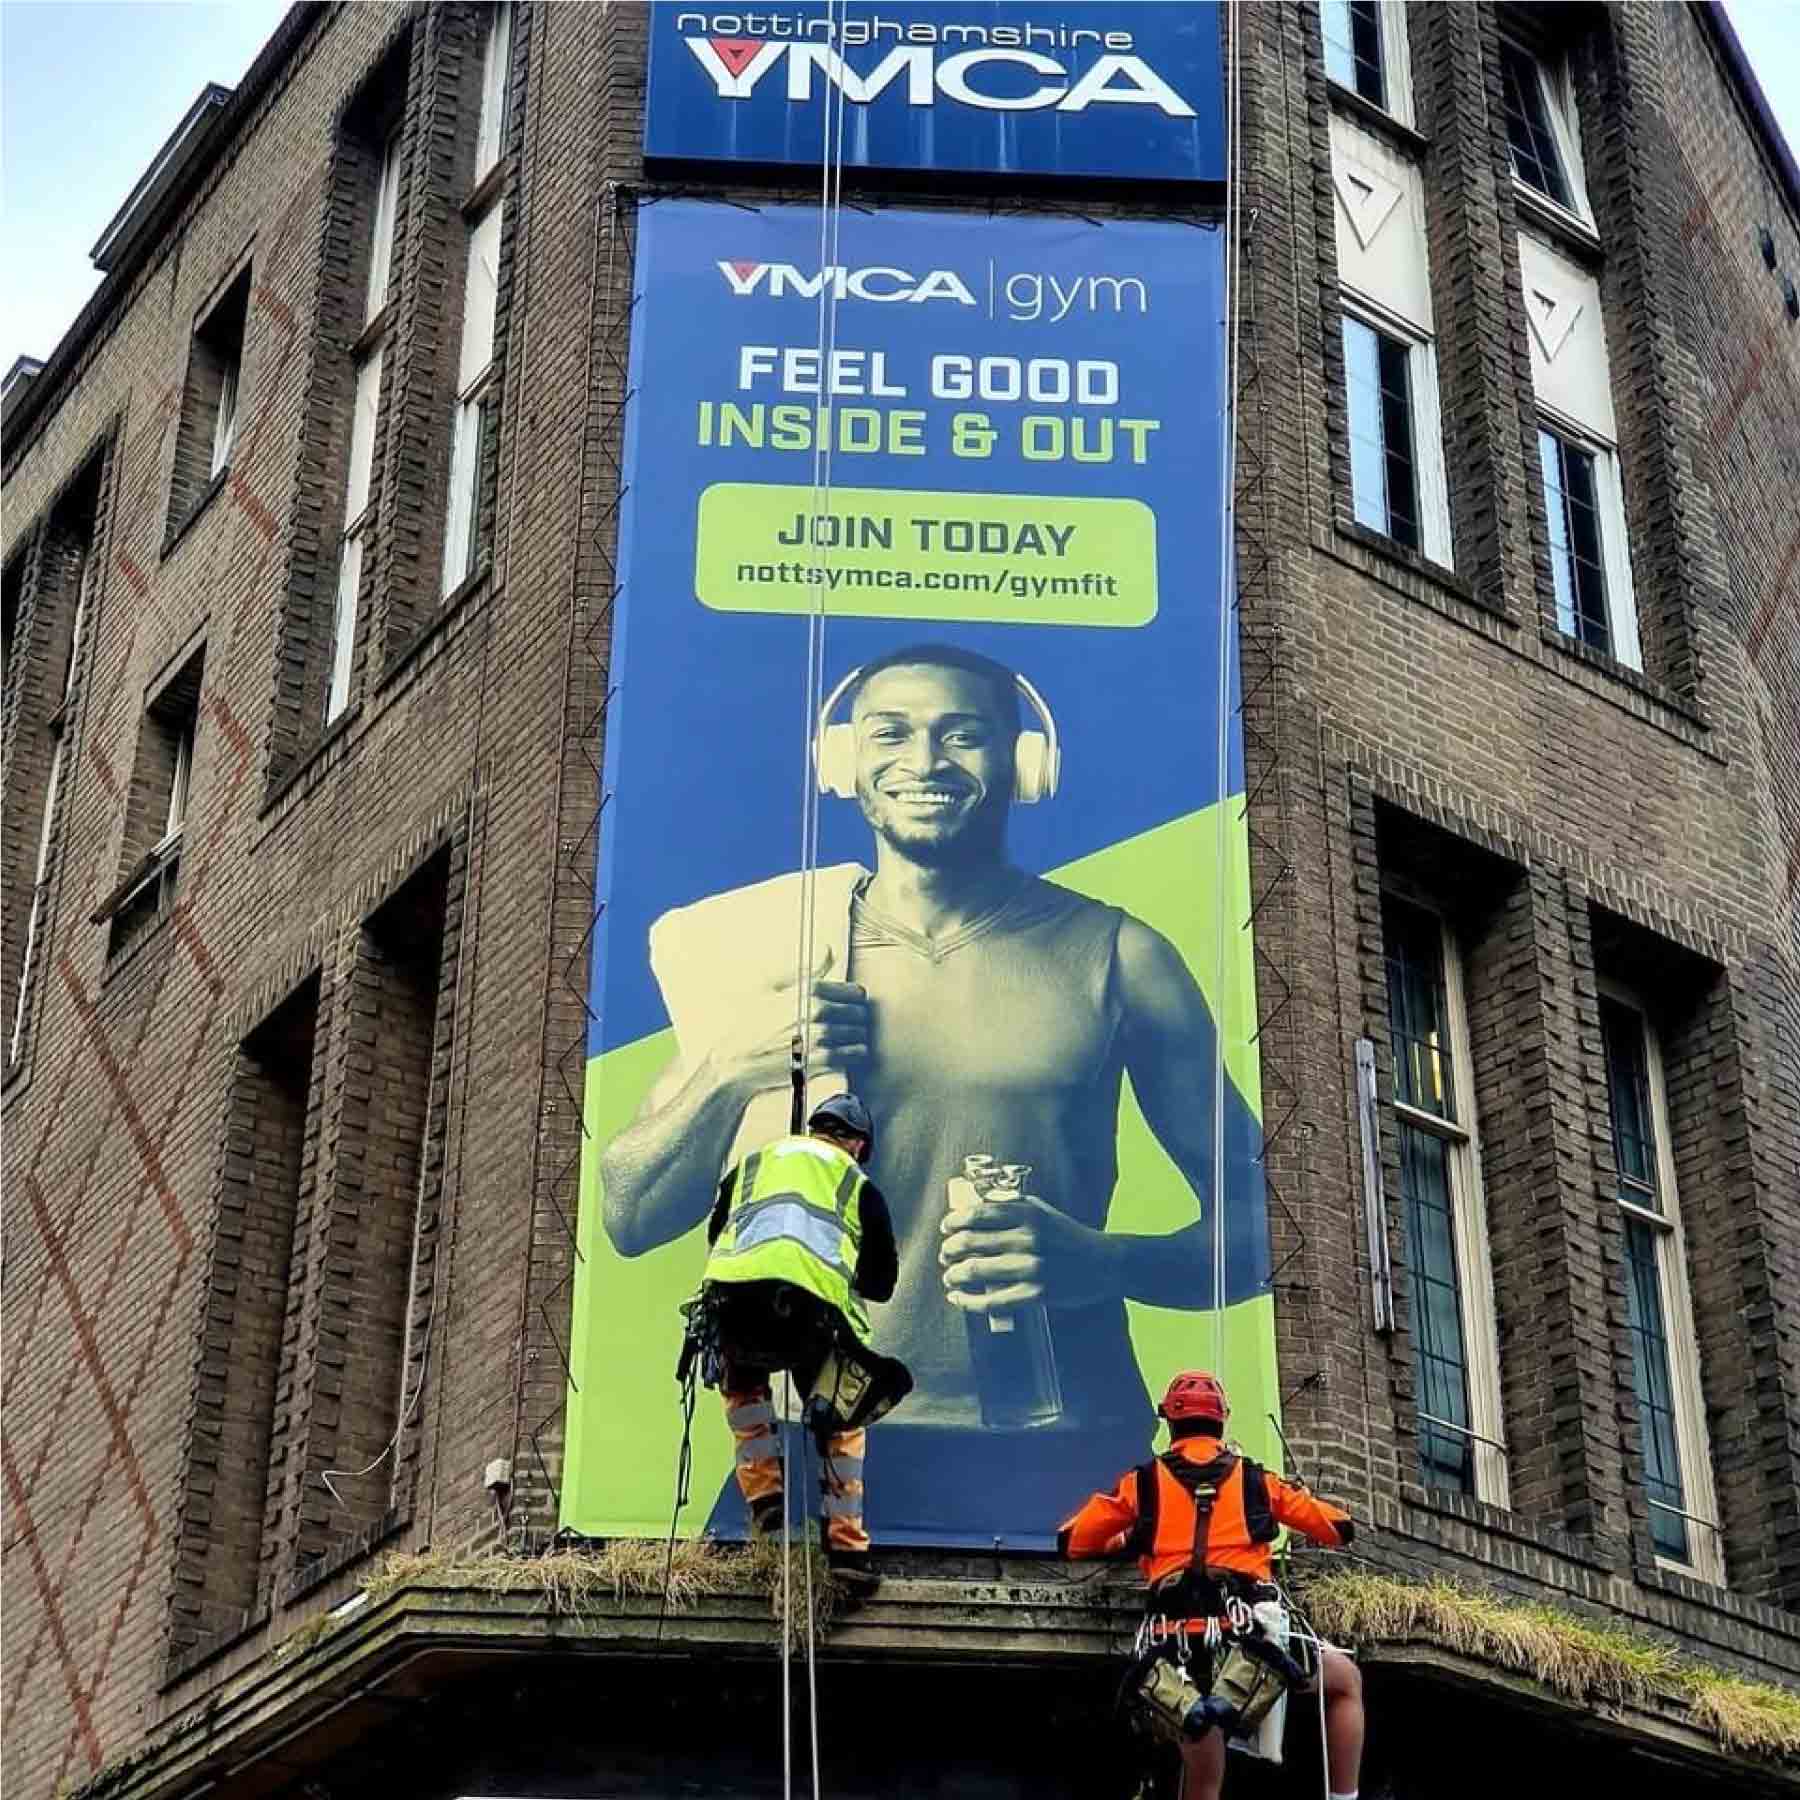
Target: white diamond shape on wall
[
  {"x": 1368, "y": 199},
  {"x": 1553, "y": 316}
]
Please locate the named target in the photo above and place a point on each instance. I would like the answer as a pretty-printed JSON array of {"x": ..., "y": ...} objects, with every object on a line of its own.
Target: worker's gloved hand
[
  {"x": 752, "y": 1055},
  {"x": 1000, "y": 1254}
]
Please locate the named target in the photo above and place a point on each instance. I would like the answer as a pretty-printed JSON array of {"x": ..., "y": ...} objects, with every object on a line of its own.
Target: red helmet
[{"x": 1194, "y": 1394}]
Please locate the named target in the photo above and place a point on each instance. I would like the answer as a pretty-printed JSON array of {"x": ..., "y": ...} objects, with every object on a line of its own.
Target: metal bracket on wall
[{"x": 1368, "y": 1119}]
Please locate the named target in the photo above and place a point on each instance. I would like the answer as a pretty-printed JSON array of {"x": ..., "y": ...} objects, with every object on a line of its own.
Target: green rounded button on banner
[{"x": 894, "y": 553}]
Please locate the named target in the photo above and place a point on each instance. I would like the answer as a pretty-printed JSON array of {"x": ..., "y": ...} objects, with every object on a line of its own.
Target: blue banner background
[
  {"x": 686, "y": 119},
  {"x": 704, "y": 761}
]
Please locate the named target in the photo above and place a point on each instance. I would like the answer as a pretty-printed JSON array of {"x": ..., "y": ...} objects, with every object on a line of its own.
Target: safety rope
[
  {"x": 831, "y": 188},
  {"x": 1227, "y": 612}
]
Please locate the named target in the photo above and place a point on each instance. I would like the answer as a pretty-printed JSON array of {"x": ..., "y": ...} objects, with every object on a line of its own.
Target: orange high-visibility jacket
[{"x": 1151, "y": 1515}]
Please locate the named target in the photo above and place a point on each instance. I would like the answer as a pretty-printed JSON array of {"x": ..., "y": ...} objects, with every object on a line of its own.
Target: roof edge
[
  {"x": 1715, "y": 18},
  {"x": 162, "y": 171},
  {"x": 271, "y": 60}
]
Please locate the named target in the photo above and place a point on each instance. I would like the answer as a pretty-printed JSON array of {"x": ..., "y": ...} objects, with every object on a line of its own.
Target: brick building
[{"x": 309, "y": 525}]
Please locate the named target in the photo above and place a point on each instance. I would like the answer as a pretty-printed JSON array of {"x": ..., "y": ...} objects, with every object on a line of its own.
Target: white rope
[
  {"x": 831, "y": 188},
  {"x": 1227, "y": 609},
  {"x": 812, "y": 1672},
  {"x": 831, "y": 193},
  {"x": 787, "y": 1611}
]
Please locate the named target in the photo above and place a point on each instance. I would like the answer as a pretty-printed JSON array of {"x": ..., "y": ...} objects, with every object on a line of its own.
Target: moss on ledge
[{"x": 1582, "y": 1658}]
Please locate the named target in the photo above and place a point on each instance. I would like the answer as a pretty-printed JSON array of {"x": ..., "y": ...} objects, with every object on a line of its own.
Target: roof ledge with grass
[{"x": 414, "y": 1615}]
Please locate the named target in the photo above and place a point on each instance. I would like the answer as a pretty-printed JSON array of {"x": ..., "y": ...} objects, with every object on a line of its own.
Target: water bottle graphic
[{"x": 1013, "y": 1353}]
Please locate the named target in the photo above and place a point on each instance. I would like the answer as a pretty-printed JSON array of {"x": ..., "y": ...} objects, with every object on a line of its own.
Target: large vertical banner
[{"x": 1028, "y": 915}]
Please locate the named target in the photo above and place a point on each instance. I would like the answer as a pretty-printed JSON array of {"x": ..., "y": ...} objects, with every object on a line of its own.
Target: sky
[{"x": 89, "y": 89}]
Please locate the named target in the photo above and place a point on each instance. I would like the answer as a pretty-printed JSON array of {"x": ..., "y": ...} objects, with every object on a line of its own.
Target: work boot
[
  {"x": 765, "y": 1520},
  {"x": 854, "y": 1572}
]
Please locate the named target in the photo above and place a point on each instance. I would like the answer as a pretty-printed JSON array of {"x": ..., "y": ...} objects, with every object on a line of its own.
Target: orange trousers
[{"x": 750, "y": 1411}]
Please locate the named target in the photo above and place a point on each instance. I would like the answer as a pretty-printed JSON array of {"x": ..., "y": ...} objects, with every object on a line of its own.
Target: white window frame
[
  {"x": 1556, "y": 87},
  {"x": 1615, "y": 551},
  {"x": 1385, "y": 282},
  {"x": 1693, "y": 1445},
  {"x": 1427, "y": 423},
  {"x": 365, "y": 406},
  {"x": 225, "y": 419},
  {"x": 40, "y": 880},
  {"x": 1396, "y": 62},
  {"x": 496, "y": 68},
  {"x": 1468, "y": 1202},
  {"x": 381, "y": 230},
  {"x": 475, "y": 378}
]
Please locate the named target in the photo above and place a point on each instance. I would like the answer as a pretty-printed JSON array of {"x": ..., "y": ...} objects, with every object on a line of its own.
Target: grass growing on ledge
[
  {"x": 572, "y": 1582},
  {"x": 1565, "y": 1652}
]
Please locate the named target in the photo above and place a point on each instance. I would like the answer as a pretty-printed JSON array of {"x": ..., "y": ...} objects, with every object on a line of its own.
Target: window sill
[
  {"x": 1569, "y": 231},
  {"x": 334, "y": 1561},
  {"x": 147, "y": 868},
  {"x": 208, "y": 1650},
  {"x": 371, "y": 334},
  {"x": 481, "y": 196},
  {"x": 452, "y": 604},
  {"x": 308, "y": 759},
  {"x": 208, "y": 495},
  {"x": 1352, "y": 536},
  {"x": 1686, "y": 714},
  {"x": 1376, "y": 119},
  {"x": 154, "y": 931},
  {"x": 1484, "y": 1515}
]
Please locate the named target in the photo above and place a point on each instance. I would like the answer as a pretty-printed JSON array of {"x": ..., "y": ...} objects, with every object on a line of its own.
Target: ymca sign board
[{"x": 1123, "y": 91}]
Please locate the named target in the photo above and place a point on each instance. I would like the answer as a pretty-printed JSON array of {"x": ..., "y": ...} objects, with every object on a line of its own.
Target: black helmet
[{"x": 849, "y": 1114}]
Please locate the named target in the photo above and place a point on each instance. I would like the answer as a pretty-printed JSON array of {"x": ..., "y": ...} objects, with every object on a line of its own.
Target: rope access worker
[
  {"x": 800, "y": 1238},
  {"x": 1212, "y": 1656}
]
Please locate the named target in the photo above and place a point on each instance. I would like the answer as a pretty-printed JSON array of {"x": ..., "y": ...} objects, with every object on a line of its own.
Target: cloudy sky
[{"x": 89, "y": 90}]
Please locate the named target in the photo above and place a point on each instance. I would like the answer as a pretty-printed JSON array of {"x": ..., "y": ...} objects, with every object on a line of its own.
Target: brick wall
[
  {"x": 1433, "y": 725},
  {"x": 133, "y": 1126}
]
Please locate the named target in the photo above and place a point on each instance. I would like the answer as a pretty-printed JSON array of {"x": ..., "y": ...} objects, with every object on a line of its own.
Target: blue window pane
[
  {"x": 1383, "y": 472},
  {"x": 1418, "y": 1015},
  {"x": 1352, "y": 31},
  {"x": 1628, "y": 1084},
  {"x": 1446, "y": 1456},
  {"x": 1655, "y": 1388},
  {"x": 1572, "y": 512},
  {"x": 1535, "y": 158}
]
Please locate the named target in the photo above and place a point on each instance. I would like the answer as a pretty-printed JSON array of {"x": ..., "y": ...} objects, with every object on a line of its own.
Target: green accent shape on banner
[
  {"x": 893, "y": 553},
  {"x": 624, "y": 1422}
]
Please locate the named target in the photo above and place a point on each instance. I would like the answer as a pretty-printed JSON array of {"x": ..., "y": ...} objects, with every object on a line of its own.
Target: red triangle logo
[
  {"x": 744, "y": 270},
  {"x": 735, "y": 53}
]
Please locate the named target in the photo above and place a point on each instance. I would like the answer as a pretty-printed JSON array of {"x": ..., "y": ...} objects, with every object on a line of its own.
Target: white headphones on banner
[{"x": 1037, "y": 755}]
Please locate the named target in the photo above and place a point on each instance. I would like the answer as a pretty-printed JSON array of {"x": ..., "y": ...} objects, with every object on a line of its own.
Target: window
[
  {"x": 46, "y": 635},
  {"x": 212, "y": 401},
  {"x": 496, "y": 91},
  {"x": 157, "y": 810},
  {"x": 1383, "y": 472},
  {"x": 475, "y": 383},
  {"x": 1397, "y": 481},
  {"x": 1456, "y": 1351},
  {"x": 1365, "y": 51},
  {"x": 231, "y": 1471},
  {"x": 366, "y": 406},
  {"x": 1659, "y": 1312},
  {"x": 1584, "y": 504},
  {"x": 1541, "y": 128},
  {"x": 1571, "y": 502},
  {"x": 474, "y": 391}
]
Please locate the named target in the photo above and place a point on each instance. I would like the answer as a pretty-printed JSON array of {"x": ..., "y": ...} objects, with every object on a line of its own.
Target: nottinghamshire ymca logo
[{"x": 1022, "y": 67}]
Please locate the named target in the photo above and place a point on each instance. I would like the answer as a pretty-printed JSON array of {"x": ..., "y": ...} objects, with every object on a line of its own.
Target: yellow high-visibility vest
[{"x": 796, "y": 1215}]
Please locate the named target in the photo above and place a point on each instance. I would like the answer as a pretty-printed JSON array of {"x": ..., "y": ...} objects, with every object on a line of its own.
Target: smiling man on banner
[{"x": 989, "y": 1017}]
